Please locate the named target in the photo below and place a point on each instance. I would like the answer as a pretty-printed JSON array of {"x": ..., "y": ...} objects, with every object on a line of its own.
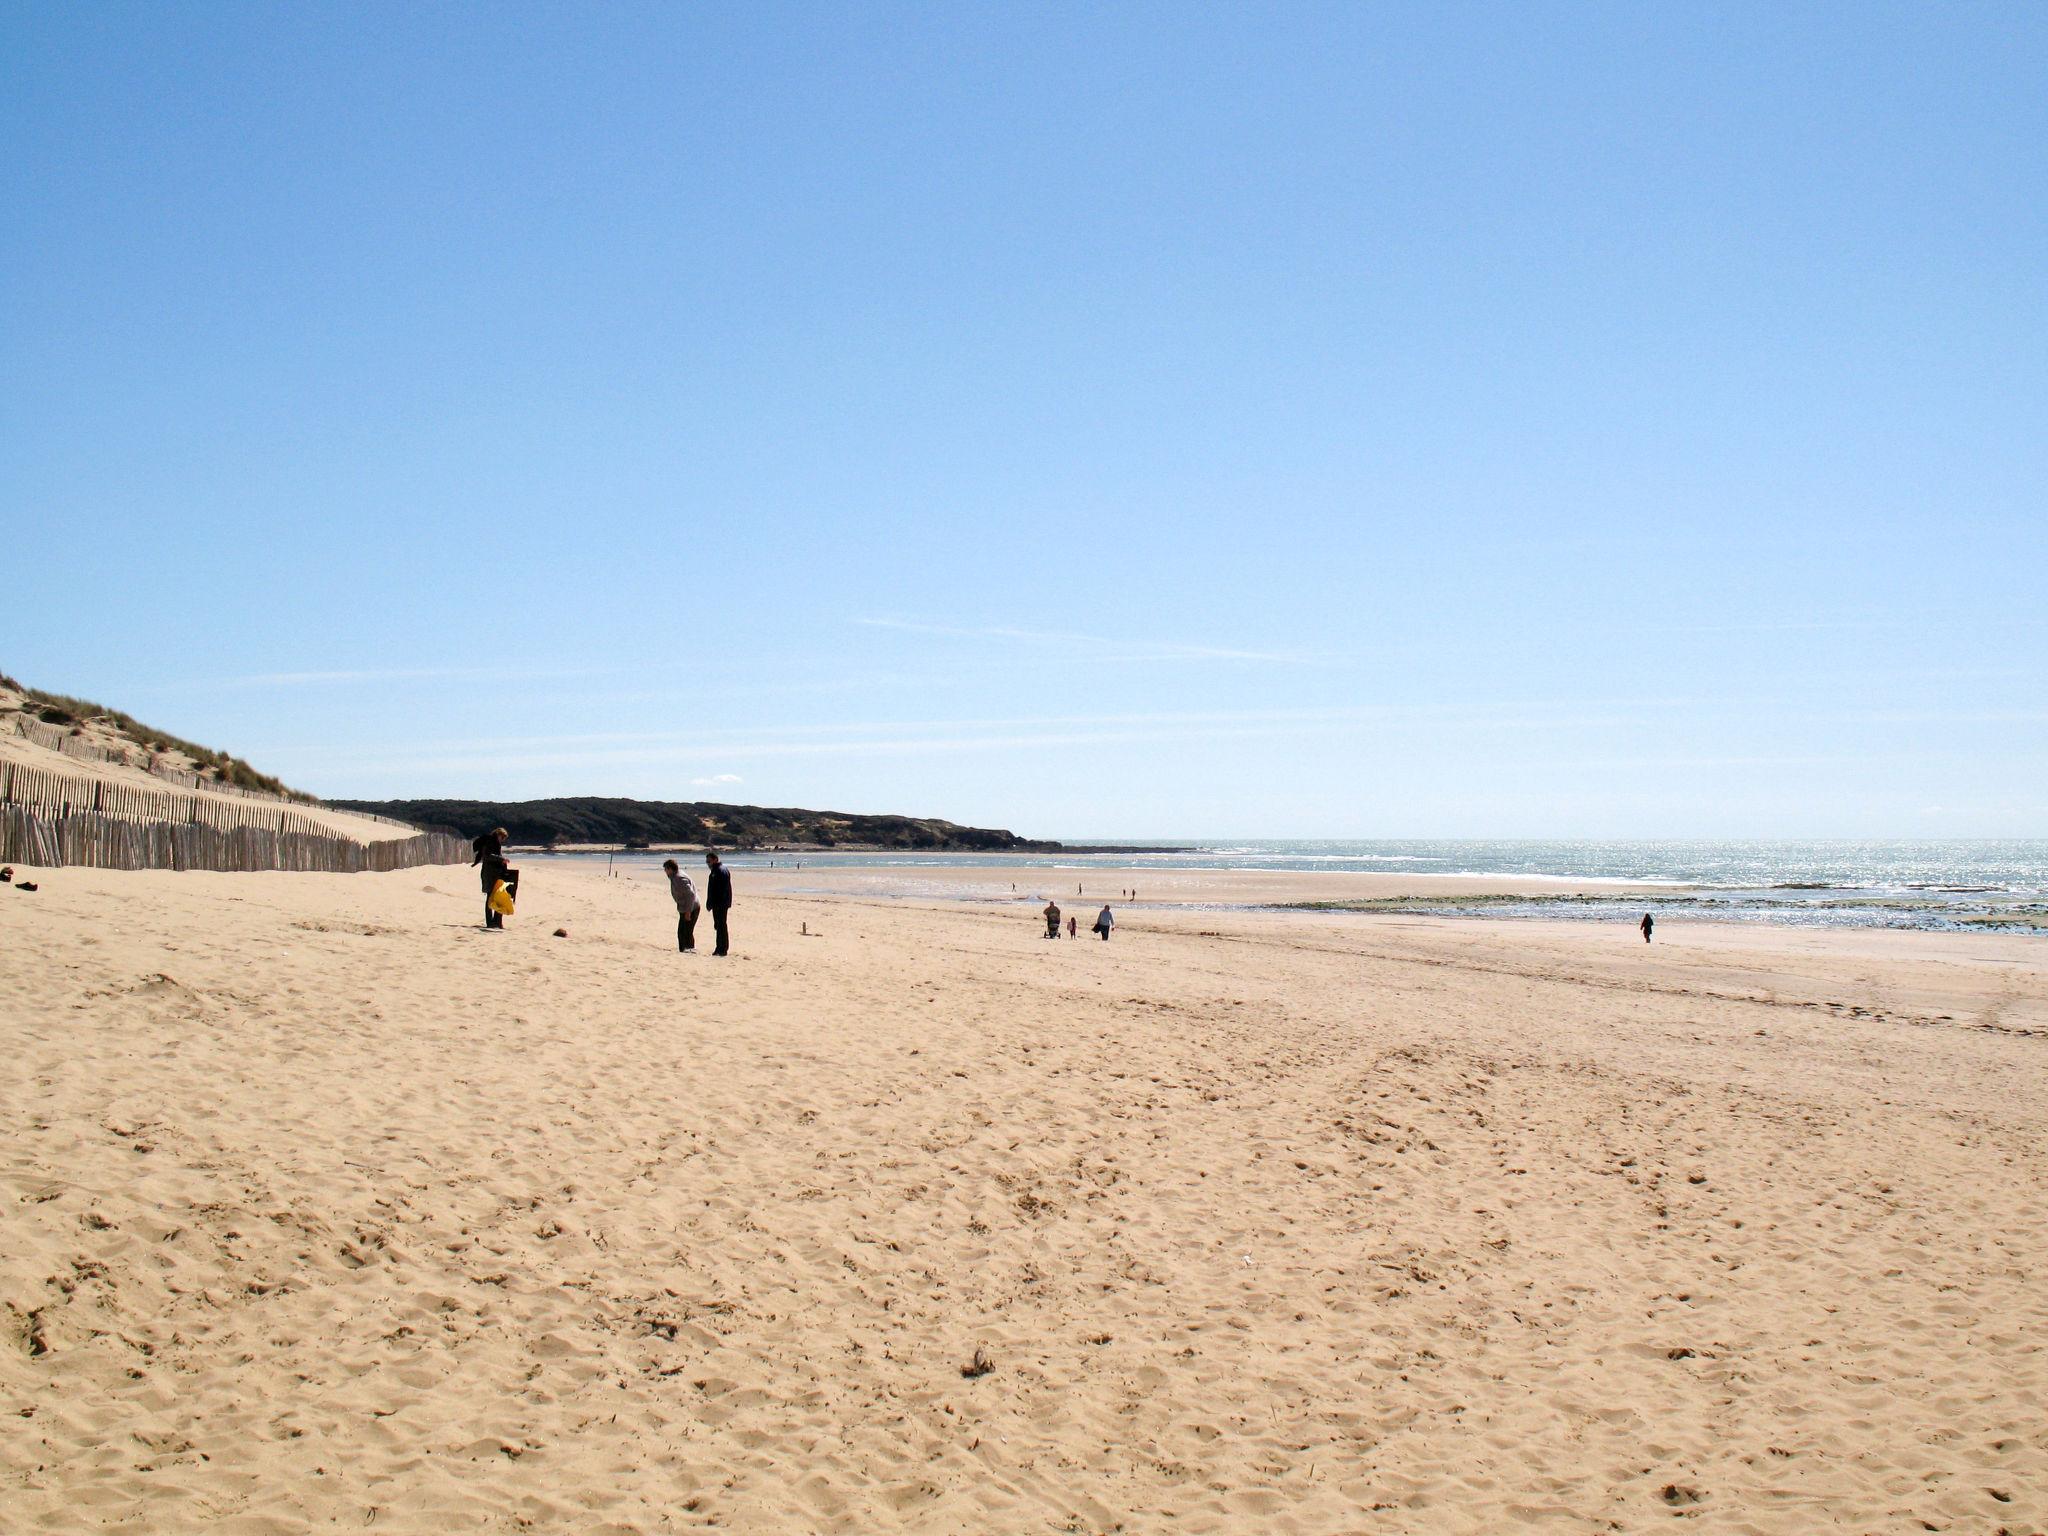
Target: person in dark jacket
[
  {"x": 718, "y": 897},
  {"x": 1647, "y": 924},
  {"x": 489, "y": 851}
]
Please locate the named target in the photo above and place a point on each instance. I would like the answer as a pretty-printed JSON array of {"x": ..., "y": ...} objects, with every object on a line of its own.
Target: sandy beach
[
  {"x": 1160, "y": 887},
  {"x": 325, "y": 1208}
]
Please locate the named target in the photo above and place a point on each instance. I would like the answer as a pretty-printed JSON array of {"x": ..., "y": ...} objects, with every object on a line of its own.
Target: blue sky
[{"x": 1351, "y": 420}]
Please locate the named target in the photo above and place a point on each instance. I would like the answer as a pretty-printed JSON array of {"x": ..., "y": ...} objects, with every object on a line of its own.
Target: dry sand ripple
[{"x": 323, "y": 1207}]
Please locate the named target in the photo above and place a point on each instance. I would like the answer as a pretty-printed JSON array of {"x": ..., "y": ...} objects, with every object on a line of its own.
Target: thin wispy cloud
[
  {"x": 1918, "y": 622},
  {"x": 1070, "y": 640},
  {"x": 1125, "y": 649},
  {"x": 1479, "y": 724},
  {"x": 343, "y": 676},
  {"x": 925, "y": 738},
  {"x": 734, "y": 741},
  {"x": 875, "y": 747}
]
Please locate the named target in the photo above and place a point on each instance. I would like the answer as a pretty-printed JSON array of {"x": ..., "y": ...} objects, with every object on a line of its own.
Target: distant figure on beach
[
  {"x": 1073, "y": 927},
  {"x": 1646, "y": 925},
  {"x": 1052, "y": 919},
  {"x": 687, "y": 906},
  {"x": 1104, "y": 921},
  {"x": 489, "y": 852},
  {"x": 718, "y": 897}
]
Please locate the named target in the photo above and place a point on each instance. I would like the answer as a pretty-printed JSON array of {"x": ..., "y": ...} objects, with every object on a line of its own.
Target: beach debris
[
  {"x": 980, "y": 1365},
  {"x": 561, "y": 933}
]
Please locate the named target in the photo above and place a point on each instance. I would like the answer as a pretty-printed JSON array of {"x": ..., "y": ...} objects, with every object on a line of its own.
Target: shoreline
[
  {"x": 853, "y": 849},
  {"x": 1391, "y": 893},
  {"x": 954, "y": 876}
]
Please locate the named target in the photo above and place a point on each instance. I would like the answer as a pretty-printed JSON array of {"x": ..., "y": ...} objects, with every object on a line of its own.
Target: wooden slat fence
[
  {"x": 52, "y": 818},
  {"x": 58, "y": 740},
  {"x": 90, "y": 838}
]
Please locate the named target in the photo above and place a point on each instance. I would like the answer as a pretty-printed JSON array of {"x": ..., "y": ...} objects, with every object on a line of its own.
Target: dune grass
[{"x": 61, "y": 709}]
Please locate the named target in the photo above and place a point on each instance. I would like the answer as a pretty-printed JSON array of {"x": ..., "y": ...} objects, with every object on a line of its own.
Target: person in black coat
[
  {"x": 489, "y": 851},
  {"x": 718, "y": 898}
]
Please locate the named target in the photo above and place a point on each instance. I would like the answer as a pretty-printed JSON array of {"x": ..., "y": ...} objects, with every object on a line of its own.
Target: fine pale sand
[
  {"x": 1162, "y": 887},
  {"x": 326, "y": 1209}
]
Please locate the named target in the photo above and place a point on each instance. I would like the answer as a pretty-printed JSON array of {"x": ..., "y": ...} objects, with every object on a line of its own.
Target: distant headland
[{"x": 606, "y": 821}]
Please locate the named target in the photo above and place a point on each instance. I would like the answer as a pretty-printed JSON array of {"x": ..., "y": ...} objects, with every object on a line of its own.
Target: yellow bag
[{"x": 501, "y": 899}]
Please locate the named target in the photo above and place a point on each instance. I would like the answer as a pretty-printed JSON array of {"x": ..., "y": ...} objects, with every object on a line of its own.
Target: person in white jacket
[
  {"x": 1104, "y": 921},
  {"x": 687, "y": 906}
]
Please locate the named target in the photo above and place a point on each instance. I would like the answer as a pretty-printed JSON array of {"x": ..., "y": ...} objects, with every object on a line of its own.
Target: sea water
[{"x": 1890, "y": 884}]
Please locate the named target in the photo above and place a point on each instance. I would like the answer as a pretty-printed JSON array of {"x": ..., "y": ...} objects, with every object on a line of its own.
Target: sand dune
[
  {"x": 361, "y": 829},
  {"x": 326, "y": 1208}
]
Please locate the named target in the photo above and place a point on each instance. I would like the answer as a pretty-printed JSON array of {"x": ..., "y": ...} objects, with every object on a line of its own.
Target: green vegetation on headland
[
  {"x": 608, "y": 821},
  {"x": 77, "y": 716}
]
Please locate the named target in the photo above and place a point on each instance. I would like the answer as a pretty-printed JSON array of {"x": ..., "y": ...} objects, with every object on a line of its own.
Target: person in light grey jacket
[
  {"x": 1104, "y": 921},
  {"x": 687, "y": 906}
]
